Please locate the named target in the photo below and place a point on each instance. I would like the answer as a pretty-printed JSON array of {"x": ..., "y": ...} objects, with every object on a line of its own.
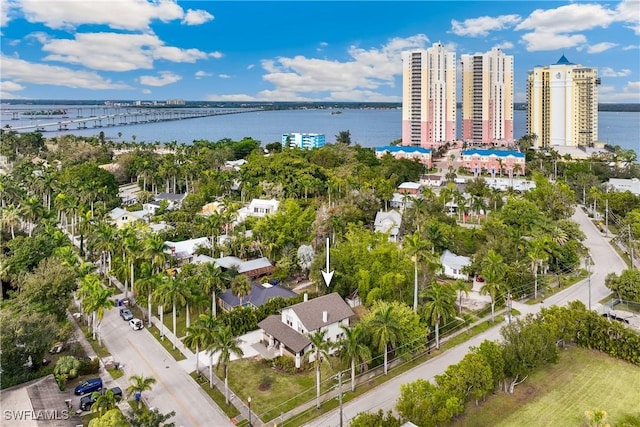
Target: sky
[{"x": 342, "y": 51}]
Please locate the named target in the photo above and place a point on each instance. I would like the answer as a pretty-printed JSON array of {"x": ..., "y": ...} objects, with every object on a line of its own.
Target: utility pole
[
  {"x": 606, "y": 217},
  {"x": 339, "y": 375},
  {"x": 630, "y": 245},
  {"x": 509, "y": 307}
]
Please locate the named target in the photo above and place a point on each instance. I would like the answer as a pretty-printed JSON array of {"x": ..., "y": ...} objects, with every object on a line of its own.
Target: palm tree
[
  {"x": 10, "y": 218},
  {"x": 103, "y": 240},
  {"x": 462, "y": 287},
  {"x": 225, "y": 344},
  {"x": 241, "y": 286},
  {"x": 174, "y": 292},
  {"x": 104, "y": 401},
  {"x": 416, "y": 247},
  {"x": 132, "y": 250},
  {"x": 493, "y": 270},
  {"x": 354, "y": 349},
  {"x": 139, "y": 384},
  {"x": 538, "y": 255},
  {"x": 385, "y": 330},
  {"x": 441, "y": 300},
  {"x": 213, "y": 279},
  {"x": 96, "y": 300},
  {"x": 200, "y": 334},
  {"x": 320, "y": 352},
  {"x": 154, "y": 249}
]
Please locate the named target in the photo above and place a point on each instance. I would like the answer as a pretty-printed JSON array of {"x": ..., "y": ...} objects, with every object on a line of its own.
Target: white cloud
[
  {"x": 164, "y": 78},
  {"x": 30, "y": 72},
  {"x": 610, "y": 72},
  {"x": 10, "y": 86},
  {"x": 600, "y": 47},
  {"x": 224, "y": 76},
  {"x": 504, "y": 45},
  {"x": 200, "y": 74},
  {"x": 250, "y": 66},
  {"x": 627, "y": 11},
  {"x": 120, "y": 14},
  {"x": 116, "y": 52},
  {"x": 629, "y": 93},
  {"x": 631, "y": 47},
  {"x": 232, "y": 97},
  {"x": 216, "y": 55},
  {"x": 482, "y": 26},
  {"x": 550, "y": 41},
  {"x": 7, "y": 9},
  {"x": 197, "y": 17},
  {"x": 569, "y": 18},
  {"x": 146, "y": 91},
  {"x": 322, "y": 46}
]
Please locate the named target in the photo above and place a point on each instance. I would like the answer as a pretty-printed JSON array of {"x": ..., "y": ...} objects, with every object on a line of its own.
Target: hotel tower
[
  {"x": 563, "y": 104},
  {"x": 428, "y": 97},
  {"x": 487, "y": 98}
]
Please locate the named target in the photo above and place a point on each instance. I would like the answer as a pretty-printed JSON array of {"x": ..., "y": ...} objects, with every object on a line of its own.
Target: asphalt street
[
  {"x": 141, "y": 354},
  {"x": 605, "y": 260}
]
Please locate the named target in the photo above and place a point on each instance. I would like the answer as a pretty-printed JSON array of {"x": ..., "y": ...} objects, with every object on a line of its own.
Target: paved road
[
  {"x": 141, "y": 354},
  {"x": 606, "y": 260}
]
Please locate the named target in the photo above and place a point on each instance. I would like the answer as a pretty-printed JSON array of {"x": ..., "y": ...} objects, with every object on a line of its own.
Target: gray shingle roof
[
  {"x": 258, "y": 296},
  {"x": 291, "y": 338},
  {"x": 310, "y": 312}
]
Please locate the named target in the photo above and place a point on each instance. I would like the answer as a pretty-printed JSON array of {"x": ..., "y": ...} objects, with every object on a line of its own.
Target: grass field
[{"x": 560, "y": 395}]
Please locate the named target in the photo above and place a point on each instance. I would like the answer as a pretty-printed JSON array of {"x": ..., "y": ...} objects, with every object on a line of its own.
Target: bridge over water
[{"x": 97, "y": 117}]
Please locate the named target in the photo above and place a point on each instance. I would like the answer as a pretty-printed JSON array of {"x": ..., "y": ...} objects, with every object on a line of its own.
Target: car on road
[
  {"x": 136, "y": 324},
  {"x": 88, "y": 400},
  {"x": 89, "y": 386},
  {"x": 126, "y": 314}
]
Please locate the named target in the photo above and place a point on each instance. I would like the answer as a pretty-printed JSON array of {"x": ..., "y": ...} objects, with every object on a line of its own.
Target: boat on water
[{"x": 336, "y": 112}]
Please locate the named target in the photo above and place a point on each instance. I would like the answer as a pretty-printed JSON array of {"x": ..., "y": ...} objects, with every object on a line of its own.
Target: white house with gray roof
[
  {"x": 389, "y": 223},
  {"x": 288, "y": 333},
  {"x": 453, "y": 265}
]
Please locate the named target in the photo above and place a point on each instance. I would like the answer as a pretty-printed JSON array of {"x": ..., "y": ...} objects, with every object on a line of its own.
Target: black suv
[{"x": 87, "y": 400}]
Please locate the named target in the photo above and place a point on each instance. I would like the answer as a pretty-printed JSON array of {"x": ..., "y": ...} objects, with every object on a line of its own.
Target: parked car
[
  {"x": 89, "y": 386},
  {"x": 136, "y": 324},
  {"x": 88, "y": 400},
  {"x": 126, "y": 314}
]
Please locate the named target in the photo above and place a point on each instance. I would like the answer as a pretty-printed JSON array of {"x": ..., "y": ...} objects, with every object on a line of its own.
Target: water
[{"x": 369, "y": 128}]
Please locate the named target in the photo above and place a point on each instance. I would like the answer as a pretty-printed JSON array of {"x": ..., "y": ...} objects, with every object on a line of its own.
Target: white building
[
  {"x": 453, "y": 265},
  {"x": 619, "y": 184},
  {"x": 121, "y": 217},
  {"x": 186, "y": 249},
  {"x": 428, "y": 97},
  {"x": 288, "y": 332},
  {"x": 487, "y": 97},
  {"x": 389, "y": 223},
  {"x": 258, "y": 208}
]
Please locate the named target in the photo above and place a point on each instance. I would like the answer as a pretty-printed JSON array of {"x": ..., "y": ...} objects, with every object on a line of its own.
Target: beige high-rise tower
[
  {"x": 428, "y": 97},
  {"x": 563, "y": 104},
  {"x": 487, "y": 98}
]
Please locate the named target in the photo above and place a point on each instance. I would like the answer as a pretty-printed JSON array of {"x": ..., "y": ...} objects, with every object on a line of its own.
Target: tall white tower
[
  {"x": 428, "y": 97},
  {"x": 487, "y": 98}
]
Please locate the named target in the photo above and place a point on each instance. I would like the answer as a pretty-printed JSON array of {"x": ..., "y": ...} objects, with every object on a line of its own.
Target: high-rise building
[
  {"x": 563, "y": 104},
  {"x": 487, "y": 98},
  {"x": 428, "y": 97}
]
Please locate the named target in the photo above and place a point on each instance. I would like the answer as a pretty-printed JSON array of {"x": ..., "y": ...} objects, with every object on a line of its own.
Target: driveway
[
  {"x": 606, "y": 260},
  {"x": 141, "y": 354}
]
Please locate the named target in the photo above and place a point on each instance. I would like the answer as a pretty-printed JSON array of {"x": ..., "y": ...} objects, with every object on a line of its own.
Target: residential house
[
  {"x": 453, "y": 265},
  {"x": 174, "y": 201},
  {"x": 288, "y": 332},
  {"x": 402, "y": 201},
  {"x": 410, "y": 188},
  {"x": 622, "y": 185},
  {"x": 186, "y": 249},
  {"x": 121, "y": 217},
  {"x": 260, "y": 294},
  {"x": 258, "y": 208},
  {"x": 389, "y": 223},
  {"x": 431, "y": 180},
  {"x": 251, "y": 268}
]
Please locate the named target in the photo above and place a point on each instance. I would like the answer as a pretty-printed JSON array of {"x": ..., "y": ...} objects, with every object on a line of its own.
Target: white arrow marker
[{"x": 328, "y": 275}]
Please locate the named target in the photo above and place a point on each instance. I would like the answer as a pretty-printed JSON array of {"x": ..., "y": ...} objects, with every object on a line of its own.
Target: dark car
[
  {"x": 89, "y": 386},
  {"x": 88, "y": 400},
  {"x": 126, "y": 314}
]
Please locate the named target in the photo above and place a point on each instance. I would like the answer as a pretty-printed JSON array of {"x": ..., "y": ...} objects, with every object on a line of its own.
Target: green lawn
[{"x": 559, "y": 395}]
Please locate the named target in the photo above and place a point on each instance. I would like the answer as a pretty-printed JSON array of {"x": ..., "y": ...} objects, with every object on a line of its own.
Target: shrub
[
  {"x": 89, "y": 366},
  {"x": 265, "y": 382},
  {"x": 285, "y": 364},
  {"x": 68, "y": 366}
]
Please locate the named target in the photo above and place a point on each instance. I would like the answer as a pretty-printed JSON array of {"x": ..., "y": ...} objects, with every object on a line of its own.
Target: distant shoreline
[{"x": 632, "y": 107}]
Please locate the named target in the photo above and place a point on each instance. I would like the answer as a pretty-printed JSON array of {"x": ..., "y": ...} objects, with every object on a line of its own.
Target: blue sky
[{"x": 294, "y": 50}]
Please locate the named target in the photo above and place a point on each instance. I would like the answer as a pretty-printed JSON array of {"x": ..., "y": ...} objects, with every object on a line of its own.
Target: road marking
[{"x": 158, "y": 378}]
